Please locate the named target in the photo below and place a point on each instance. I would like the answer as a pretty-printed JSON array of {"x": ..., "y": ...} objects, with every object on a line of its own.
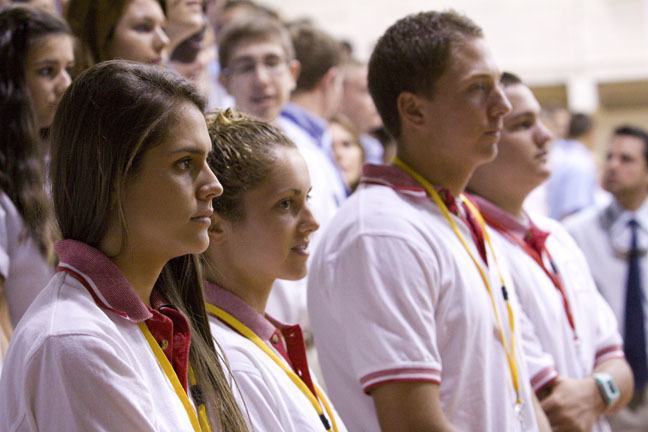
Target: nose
[
  {"x": 611, "y": 162},
  {"x": 500, "y": 105},
  {"x": 542, "y": 135},
  {"x": 261, "y": 73},
  {"x": 308, "y": 223},
  {"x": 161, "y": 40},
  {"x": 210, "y": 187},
  {"x": 63, "y": 83}
]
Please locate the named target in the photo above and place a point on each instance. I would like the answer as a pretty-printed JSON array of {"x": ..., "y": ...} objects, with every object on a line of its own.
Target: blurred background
[{"x": 579, "y": 55}]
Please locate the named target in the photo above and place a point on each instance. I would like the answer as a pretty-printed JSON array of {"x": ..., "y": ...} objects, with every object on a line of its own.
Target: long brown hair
[
  {"x": 93, "y": 22},
  {"x": 110, "y": 116},
  {"x": 22, "y": 174}
]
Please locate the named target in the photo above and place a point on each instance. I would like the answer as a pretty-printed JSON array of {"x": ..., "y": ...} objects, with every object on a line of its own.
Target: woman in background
[
  {"x": 347, "y": 149},
  {"x": 120, "y": 333},
  {"x": 36, "y": 53},
  {"x": 118, "y": 29}
]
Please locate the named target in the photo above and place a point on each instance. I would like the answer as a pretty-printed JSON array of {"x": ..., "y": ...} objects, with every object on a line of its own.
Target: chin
[
  {"x": 294, "y": 274},
  {"x": 198, "y": 246}
]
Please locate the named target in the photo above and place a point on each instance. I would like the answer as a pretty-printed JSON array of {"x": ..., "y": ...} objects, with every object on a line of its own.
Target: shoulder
[
  {"x": 241, "y": 354},
  {"x": 63, "y": 308},
  {"x": 584, "y": 220}
]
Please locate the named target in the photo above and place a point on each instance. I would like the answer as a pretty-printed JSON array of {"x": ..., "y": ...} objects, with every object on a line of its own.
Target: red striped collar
[{"x": 108, "y": 286}]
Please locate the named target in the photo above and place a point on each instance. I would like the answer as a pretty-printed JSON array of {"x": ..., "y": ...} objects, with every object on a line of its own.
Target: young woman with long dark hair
[
  {"x": 119, "y": 338},
  {"x": 35, "y": 53}
]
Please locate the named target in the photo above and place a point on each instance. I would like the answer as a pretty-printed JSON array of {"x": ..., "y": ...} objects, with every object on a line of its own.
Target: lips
[
  {"x": 203, "y": 216},
  {"x": 263, "y": 100},
  {"x": 301, "y": 249}
]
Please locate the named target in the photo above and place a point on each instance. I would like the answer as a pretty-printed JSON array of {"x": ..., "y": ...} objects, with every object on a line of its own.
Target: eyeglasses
[{"x": 272, "y": 64}]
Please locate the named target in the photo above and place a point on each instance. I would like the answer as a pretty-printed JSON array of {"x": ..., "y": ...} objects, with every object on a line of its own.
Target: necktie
[{"x": 635, "y": 337}]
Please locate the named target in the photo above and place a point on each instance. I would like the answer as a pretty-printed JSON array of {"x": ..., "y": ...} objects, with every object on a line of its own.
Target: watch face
[{"x": 608, "y": 389}]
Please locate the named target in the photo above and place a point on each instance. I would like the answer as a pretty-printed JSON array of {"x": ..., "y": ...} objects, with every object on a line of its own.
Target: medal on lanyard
[
  {"x": 509, "y": 348},
  {"x": 314, "y": 399}
]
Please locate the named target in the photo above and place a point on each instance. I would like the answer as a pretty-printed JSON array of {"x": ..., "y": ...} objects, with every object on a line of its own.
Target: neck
[
  {"x": 438, "y": 172},
  {"x": 311, "y": 102},
  {"x": 631, "y": 201},
  {"x": 253, "y": 292},
  {"x": 511, "y": 205},
  {"x": 140, "y": 273}
]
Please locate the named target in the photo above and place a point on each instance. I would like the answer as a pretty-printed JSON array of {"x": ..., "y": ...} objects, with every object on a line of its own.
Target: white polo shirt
[
  {"x": 24, "y": 269},
  {"x": 264, "y": 390},
  {"x": 595, "y": 323},
  {"x": 74, "y": 365},
  {"x": 393, "y": 296},
  {"x": 603, "y": 235}
]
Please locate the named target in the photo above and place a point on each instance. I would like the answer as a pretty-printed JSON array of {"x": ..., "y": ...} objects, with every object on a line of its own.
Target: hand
[{"x": 573, "y": 404}]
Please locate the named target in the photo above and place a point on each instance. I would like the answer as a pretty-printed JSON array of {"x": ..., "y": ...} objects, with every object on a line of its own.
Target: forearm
[
  {"x": 410, "y": 407},
  {"x": 622, "y": 376},
  {"x": 541, "y": 418}
]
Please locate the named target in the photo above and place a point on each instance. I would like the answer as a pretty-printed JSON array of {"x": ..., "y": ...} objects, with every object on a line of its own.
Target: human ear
[
  {"x": 410, "y": 109},
  {"x": 217, "y": 230},
  {"x": 223, "y": 79},
  {"x": 294, "y": 67}
]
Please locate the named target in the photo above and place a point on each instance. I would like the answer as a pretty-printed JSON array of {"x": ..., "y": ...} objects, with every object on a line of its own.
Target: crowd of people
[{"x": 213, "y": 219}]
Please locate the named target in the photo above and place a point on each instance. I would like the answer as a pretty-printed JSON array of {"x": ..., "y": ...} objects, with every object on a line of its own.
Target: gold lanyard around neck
[
  {"x": 509, "y": 348},
  {"x": 175, "y": 383},
  {"x": 246, "y": 332}
]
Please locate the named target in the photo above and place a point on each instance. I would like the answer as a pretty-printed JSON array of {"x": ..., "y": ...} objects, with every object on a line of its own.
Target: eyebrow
[
  {"x": 192, "y": 150},
  {"x": 295, "y": 191}
]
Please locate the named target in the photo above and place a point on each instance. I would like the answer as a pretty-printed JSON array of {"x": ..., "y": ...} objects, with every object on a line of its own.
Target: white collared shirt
[
  {"x": 603, "y": 235},
  {"x": 595, "y": 323},
  {"x": 73, "y": 366},
  {"x": 393, "y": 296},
  {"x": 264, "y": 391}
]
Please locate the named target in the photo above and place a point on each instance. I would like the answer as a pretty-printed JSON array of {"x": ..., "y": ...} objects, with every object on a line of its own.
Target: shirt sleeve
[
  {"x": 609, "y": 343},
  {"x": 81, "y": 383},
  {"x": 607, "y": 340},
  {"x": 541, "y": 365},
  {"x": 4, "y": 243},
  {"x": 389, "y": 299}
]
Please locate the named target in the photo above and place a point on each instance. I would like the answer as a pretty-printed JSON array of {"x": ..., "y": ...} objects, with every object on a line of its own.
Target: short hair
[
  {"x": 243, "y": 157},
  {"x": 317, "y": 52},
  {"x": 636, "y": 132},
  {"x": 93, "y": 22},
  {"x": 410, "y": 57},
  {"x": 579, "y": 125},
  {"x": 510, "y": 79},
  {"x": 253, "y": 28}
]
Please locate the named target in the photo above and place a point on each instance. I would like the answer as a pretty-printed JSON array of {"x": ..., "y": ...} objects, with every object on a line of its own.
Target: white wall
[{"x": 576, "y": 42}]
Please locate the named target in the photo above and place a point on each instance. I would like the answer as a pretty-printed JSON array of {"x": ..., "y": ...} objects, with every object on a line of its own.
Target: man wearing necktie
[{"x": 615, "y": 239}]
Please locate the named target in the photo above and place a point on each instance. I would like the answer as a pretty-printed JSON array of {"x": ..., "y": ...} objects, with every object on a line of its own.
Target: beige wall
[{"x": 564, "y": 48}]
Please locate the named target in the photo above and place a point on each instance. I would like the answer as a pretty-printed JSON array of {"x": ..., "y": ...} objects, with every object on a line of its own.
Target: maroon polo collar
[{"x": 109, "y": 287}]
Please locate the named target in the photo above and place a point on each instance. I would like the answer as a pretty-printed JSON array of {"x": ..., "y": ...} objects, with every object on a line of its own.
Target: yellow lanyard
[
  {"x": 509, "y": 349},
  {"x": 175, "y": 382},
  {"x": 246, "y": 332}
]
